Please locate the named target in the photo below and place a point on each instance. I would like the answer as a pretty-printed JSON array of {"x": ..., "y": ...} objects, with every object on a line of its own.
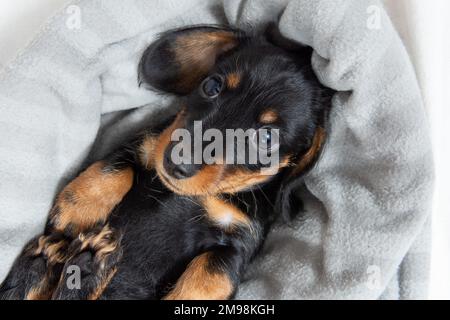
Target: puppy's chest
[
  {"x": 224, "y": 214},
  {"x": 153, "y": 208},
  {"x": 169, "y": 230}
]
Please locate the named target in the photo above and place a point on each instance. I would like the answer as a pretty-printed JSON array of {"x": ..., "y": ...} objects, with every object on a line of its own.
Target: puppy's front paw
[
  {"x": 36, "y": 271},
  {"x": 92, "y": 265}
]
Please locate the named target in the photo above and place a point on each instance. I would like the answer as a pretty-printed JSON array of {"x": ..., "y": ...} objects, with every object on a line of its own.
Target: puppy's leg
[
  {"x": 96, "y": 252},
  {"x": 89, "y": 199},
  {"x": 36, "y": 271},
  {"x": 213, "y": 275},
  {"x": 83, "y": 204}
]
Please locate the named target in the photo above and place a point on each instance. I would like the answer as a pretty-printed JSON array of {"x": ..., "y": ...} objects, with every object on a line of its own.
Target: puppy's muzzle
[{"x": 184, "y": 170}]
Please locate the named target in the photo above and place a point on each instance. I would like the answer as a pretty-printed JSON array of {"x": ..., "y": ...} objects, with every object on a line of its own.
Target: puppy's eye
[
  {"x": 211, "y": 86},
  {"x": 267, "y": 138}
]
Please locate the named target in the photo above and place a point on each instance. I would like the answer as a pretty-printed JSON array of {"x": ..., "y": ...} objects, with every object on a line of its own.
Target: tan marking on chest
[{"x": 224, "y": 214}]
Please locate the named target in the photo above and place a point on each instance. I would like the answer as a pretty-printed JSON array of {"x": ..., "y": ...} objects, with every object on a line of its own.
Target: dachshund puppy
[{"x": 139, "y": 225}]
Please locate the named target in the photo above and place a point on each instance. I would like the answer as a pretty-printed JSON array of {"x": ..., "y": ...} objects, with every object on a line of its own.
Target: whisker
[{"x": 157, "y": 200}]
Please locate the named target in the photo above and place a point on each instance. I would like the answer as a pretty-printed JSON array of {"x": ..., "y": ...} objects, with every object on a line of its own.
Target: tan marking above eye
[
  {"x": 233, "y": 79},
  {"x": 268, "y": 117}
]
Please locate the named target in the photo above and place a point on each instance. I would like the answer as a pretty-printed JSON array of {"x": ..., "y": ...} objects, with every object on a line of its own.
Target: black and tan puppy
[{"x": 139, "y": 226}]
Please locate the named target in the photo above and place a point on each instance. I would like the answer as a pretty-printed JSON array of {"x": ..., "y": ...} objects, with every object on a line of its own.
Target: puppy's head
[{"x": 228, "y": 81}]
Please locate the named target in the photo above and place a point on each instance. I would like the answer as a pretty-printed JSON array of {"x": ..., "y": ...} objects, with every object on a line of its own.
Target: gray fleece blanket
[{"x": 72, "y": 96}]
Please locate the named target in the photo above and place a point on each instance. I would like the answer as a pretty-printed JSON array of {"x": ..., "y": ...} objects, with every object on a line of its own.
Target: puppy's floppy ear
[
  {"x": 179, "y": 60},
  {"x": 274, "y": 36},
  {"x": 286, "y": 204}
]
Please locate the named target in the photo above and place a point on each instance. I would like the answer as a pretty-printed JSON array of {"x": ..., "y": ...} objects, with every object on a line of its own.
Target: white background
[{"x": 425, "y": 28}]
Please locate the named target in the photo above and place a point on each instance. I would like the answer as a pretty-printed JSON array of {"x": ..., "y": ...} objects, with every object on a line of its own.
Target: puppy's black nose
[
  {"x": 179, "y": 171},
  {"x": 184, "y": 171}
]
